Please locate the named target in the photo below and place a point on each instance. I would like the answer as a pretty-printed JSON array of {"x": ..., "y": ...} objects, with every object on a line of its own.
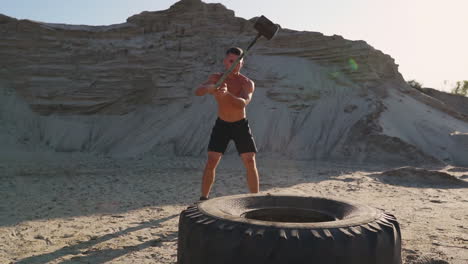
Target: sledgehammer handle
[{"x": 226, "y": 73}]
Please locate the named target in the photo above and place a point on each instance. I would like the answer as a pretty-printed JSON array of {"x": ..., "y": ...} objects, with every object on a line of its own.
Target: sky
[{"x": 427, "y": 38}]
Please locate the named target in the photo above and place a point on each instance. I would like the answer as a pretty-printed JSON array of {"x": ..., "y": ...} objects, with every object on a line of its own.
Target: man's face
[{"x": 230, "y": 59}]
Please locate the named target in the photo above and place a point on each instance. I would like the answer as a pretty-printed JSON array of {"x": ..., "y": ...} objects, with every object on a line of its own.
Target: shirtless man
[{"x": 232, "y": 98}]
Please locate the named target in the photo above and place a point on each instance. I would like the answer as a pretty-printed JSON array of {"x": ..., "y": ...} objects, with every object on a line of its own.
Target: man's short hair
[{"x": 234, "y": 50}]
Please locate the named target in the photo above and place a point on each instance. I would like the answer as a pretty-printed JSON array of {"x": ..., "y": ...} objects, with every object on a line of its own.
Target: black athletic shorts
[{"x": 238, "y": 131}]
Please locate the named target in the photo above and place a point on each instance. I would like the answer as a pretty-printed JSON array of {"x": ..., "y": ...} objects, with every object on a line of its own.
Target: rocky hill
[{"x": 128, "y": 90}]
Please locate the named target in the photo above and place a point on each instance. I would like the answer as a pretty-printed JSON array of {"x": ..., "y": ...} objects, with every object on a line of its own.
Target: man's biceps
[
  {"x": 247, "y": 96},
  {"x": 249, "y": 91},
  {"x": 251, "y": 86},
  {"x": 210, "y": 81},
  {"x": 214, "y": 78}
]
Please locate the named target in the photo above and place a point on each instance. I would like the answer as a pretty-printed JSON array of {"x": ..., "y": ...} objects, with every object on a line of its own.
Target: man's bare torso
[{"x": 236, "y": 85}]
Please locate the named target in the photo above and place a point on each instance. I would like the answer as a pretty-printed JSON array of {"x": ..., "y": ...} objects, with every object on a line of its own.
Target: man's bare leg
[
  {"x": 252, "y": 173},
  {"x": 210, "y": 172}
]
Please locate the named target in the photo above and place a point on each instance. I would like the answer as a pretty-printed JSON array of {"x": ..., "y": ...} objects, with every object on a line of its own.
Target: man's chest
[{"x": 235, "y": 86}]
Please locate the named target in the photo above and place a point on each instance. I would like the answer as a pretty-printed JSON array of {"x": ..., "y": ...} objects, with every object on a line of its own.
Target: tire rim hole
[{"x": 288, "y": 215}]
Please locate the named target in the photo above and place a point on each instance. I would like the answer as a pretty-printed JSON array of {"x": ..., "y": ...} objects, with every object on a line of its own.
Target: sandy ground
[{"x": 81, "y": 209}]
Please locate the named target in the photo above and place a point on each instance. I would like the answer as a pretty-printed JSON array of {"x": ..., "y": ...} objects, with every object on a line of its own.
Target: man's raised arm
[{"x": 207, "y": 87}]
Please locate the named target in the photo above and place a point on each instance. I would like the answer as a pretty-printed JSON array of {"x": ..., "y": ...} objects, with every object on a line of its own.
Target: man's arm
[
  {"x": 208, "y": 86},
  {"x": 245, "y": 96}
]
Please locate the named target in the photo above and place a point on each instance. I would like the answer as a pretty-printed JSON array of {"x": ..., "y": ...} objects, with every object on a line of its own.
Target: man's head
[{"x": 231, "y": 56}]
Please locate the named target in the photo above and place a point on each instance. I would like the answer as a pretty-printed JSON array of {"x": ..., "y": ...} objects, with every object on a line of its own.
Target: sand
[{"x": 74, "y": 208}]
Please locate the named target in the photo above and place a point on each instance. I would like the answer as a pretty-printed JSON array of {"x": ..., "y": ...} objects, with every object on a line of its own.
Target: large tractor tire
[{"x": 270, "y": 229}]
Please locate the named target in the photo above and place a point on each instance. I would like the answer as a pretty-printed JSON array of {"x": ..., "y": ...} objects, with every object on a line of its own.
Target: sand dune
[{"x": 127, "y": 90}]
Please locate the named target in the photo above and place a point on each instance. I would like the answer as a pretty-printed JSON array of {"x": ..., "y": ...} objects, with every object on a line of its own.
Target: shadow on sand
[{"x": 105, "y": 255}]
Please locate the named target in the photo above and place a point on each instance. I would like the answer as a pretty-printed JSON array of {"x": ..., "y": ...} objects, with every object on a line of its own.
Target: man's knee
[
  {"x": 248, "y": 158},
  {"x": 213, "y": 160}
]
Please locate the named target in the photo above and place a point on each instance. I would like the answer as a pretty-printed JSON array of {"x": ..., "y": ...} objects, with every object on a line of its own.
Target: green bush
[
  {"x": 415, "y": 84},
  {"x": 461, "y": 88}
]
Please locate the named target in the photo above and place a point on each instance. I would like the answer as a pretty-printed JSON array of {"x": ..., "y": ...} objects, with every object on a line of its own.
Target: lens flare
[
  {"x": 353, "y": 64},
  {"x": 334, "y": 75}
]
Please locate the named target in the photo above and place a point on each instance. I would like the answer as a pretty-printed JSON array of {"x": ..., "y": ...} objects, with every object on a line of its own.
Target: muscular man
[{"x": 232, "y": 97}]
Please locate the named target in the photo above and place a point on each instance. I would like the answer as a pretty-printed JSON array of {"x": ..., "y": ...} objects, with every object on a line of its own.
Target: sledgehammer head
[{"x": 266, "y": 28}]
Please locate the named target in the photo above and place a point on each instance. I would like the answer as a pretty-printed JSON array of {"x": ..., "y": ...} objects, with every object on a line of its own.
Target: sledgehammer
[{"x": 265, "y": 28}]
